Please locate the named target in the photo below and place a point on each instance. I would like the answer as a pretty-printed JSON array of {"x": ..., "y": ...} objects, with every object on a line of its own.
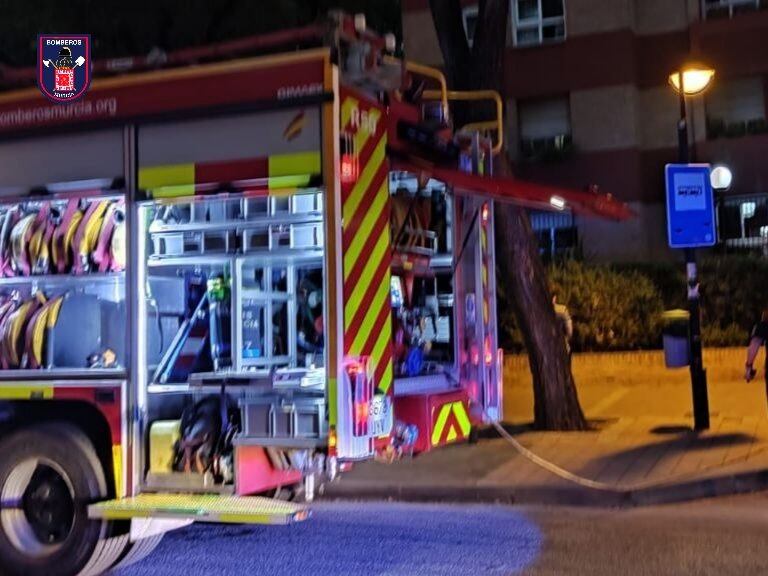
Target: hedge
[{"x": 618, "y": 307}]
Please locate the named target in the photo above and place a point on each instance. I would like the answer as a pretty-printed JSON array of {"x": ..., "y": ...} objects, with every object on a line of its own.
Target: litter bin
[{"x": 677, "y": 352}]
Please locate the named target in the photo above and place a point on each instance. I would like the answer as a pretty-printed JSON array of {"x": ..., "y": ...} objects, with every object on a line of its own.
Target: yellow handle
[
  {"x": 470, "y": 95},
  {"x": 429, "y": 72}
]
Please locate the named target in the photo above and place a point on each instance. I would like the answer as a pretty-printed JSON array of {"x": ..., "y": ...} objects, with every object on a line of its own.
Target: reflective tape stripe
[
  {"x": 297, "y": 164},
  {"x": 462, "y": 418},
  {"x": 26, "y": 392},
  {"x": 442, "y": 418},
  {"x": 117, "y": 467},
  {"x": 452, "y": 424},
  {"x": 364, "y": 181},
  {"x": 346, "y": 111},
  {"x": 379, "y": 251},
  {"x": 174, "y": 175}
]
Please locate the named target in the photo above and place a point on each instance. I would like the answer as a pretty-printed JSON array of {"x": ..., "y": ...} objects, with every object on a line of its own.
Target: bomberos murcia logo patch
[{"x": 64, "y": 66}]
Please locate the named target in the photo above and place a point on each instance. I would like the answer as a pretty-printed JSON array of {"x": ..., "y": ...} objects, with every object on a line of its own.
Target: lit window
[
  {"x": 537, "y": 21},
  {"x": 469, "y": 15},
  {"x": 729, "y": 8}
]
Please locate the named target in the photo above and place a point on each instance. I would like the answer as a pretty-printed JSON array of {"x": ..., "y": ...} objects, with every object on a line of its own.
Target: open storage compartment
[
  {"x": 62, "y": 284},
  {"x": 231, "y": 308}
]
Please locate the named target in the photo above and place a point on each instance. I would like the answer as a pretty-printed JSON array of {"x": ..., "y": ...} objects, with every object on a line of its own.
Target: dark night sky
[{"x": 134, "y": 27}]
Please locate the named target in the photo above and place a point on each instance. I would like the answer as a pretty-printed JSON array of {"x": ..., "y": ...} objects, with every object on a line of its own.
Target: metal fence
[
  {"x": 743, "y": 223},
  {"x": 557, "y": 234},
  {"x": 730, "y": 8}
]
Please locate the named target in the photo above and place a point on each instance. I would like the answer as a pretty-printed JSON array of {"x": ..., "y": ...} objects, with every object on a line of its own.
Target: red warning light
[
  {"x": 485, "y": 213},
  {"x": 348, "y": 169}
]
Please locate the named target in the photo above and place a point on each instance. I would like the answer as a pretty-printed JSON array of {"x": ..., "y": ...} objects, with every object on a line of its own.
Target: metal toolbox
[{"x": 271, "y": 417}]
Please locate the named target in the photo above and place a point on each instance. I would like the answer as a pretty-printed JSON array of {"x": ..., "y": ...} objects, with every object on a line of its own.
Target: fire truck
[{"x": 231, "y": 272}]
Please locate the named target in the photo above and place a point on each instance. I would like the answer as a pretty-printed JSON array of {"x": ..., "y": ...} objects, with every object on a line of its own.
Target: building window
[
  {"x": 743, "y": 222},
  {"x": 537, "y": 21},
  {"x": 736, "y": 108},
  {"x": 469, "y": 15},
  {"x": 545, "y": 128},
  {"x": 730, "y": 8},
  {"x": 556, "y": 233}
]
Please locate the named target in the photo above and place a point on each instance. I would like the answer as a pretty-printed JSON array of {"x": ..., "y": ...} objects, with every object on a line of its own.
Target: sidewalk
[{"x": 642, "y": 446}]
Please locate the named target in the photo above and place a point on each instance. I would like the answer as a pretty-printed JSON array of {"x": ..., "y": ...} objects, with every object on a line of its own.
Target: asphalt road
[{"x": 720, "y": 537}]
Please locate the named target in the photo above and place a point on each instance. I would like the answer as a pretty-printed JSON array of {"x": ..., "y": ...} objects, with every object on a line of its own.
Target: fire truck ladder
[{"x": 201, "y": 508}]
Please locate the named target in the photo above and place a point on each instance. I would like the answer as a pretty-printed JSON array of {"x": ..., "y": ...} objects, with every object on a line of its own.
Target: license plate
[{"x": 380, "y": 419}]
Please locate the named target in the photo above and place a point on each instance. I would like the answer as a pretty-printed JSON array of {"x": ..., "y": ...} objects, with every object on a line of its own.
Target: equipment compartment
[{"x": 62, "y": 283}]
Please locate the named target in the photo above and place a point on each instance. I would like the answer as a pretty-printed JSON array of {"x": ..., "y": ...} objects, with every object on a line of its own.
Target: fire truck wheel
[
  {"x": 138, "y": 550},
  {"x": 48, "y": 476}
]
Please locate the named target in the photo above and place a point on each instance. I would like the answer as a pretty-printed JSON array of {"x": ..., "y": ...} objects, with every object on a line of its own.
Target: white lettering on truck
[{"x": 302, "y": 90}]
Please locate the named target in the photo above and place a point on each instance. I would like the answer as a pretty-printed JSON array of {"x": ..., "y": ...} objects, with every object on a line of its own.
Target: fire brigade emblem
[{"x": 64, "y": 66}]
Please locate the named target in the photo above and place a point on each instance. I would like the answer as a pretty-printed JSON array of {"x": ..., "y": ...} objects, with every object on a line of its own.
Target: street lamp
[
  {"x": 696, "y": 79},
  {"x": 721, "y": 178},
  {"x": 690, "y": 80}
]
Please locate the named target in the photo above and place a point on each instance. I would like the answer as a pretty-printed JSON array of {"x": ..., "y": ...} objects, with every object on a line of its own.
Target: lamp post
[{"x": 689, "y": 81}]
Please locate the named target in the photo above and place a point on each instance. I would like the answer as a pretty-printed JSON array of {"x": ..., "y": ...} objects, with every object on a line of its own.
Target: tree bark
[{"x": 556, "y": 403}]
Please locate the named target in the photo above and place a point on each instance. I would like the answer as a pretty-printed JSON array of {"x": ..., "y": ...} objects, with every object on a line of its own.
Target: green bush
[
  {"x": 731, "y": 335},
  {"x": 734, "y": 291},
  {"x": 611, "y": 310},
  {"x": 618, "y": 307}
]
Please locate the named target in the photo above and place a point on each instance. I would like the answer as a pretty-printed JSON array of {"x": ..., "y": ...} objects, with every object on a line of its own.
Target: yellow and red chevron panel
[
  {"x": 442, "y": 417},
  {"x": 365, "y": 207},
  {"x": 108, "y": 400},
  {"x": 284, "y": 172}
]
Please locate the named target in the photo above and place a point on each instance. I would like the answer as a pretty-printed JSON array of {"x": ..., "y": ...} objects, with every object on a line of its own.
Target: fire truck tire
[
  {"x": 107, "y": 552},
  {"x": 48, "y": 476},
  {"x": 137, "y": 551}
]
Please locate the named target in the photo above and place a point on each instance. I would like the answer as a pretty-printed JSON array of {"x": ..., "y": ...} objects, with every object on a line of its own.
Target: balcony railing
[{"x": 730, "y": 8}]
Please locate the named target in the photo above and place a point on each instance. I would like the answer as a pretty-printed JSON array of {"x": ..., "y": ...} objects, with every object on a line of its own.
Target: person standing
[
  {"x": 758, "y": 338},
  {"x": 565, "y": 322}
]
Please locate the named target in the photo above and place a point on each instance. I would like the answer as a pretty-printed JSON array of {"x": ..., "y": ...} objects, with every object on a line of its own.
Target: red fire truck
[{"x": 229, "y": 273}]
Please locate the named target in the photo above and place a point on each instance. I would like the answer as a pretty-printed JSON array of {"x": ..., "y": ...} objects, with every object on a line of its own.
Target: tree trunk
[{"x": 556, "y": 403}]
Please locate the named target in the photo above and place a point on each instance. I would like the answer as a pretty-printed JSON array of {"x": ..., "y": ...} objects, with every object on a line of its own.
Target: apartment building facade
[{"x": 588, "y": 102}]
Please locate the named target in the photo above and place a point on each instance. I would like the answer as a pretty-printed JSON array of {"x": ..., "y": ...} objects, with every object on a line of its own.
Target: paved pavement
[
  {"x": 723, "y": 537},
  {"x": 642, "y": 446},
  {"x": 345, "y": 539}
]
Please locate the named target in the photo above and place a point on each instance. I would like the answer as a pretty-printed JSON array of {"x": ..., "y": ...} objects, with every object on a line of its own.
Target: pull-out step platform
[{"x": 201, "y": 508}]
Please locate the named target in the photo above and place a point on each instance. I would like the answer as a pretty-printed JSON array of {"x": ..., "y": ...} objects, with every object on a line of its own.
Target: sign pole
[{"x": 698, "y": 373}]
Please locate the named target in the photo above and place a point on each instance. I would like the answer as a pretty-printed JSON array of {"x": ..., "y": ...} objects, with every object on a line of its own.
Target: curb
[{"x": 726, "y": 485}]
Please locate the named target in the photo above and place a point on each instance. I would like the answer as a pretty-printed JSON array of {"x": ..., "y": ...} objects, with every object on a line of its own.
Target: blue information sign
[{"x": 690, "y": 206}]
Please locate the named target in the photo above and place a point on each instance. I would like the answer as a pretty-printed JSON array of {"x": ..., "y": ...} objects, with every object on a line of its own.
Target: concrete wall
[
  {"x": 604, "y": 118},
  {"x": 643, "y": 238},
  {"x": 593, "y": 16},
  {"x": 661, "y": 16}
]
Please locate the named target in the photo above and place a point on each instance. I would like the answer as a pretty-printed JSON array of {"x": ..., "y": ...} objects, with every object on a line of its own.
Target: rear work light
[{"x": 361, "y": 388}]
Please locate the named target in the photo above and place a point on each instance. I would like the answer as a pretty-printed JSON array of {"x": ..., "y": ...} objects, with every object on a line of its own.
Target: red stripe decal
[
  {"x": 378, "y": 325},
  {"x": 363, "y": 158},
  {"x": 362, "y": 260},
  {"x": 373, "y": 286},
  {"x": 245, "y": 169},
  {"x": 384, "y": 363},
  {"x": 351, "y": 227}
]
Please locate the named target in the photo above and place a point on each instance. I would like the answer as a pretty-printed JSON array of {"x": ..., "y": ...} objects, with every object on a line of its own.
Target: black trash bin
[{"x": 677, "y": 353}]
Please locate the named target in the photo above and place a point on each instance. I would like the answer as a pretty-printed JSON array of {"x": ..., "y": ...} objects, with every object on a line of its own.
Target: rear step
[{"x": 201, "y": 508}]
